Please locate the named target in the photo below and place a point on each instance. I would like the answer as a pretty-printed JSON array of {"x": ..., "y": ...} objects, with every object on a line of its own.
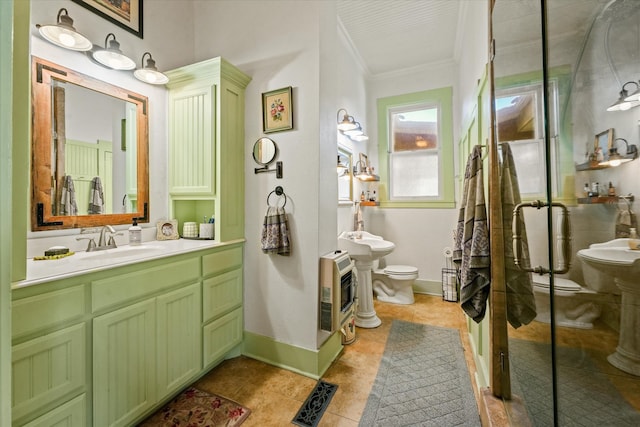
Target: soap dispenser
[
  {"x": 135, "y": 233},
  {"x": 634, "y": 242}
]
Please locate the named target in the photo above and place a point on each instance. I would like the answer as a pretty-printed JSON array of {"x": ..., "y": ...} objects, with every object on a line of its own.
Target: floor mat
[
  {"x": 312, "y": 409},
  {"x": 586, "y": 397},
  {"x": 195, "y": 407},
  {"x": 422, "y": 380}
]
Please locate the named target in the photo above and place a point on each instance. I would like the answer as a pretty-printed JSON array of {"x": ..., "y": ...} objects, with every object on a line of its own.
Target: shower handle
[{"x": 565, "y": 233}]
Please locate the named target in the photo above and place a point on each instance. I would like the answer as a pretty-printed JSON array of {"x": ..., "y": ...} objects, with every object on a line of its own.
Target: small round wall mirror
[{"x": 264, "y": 151}]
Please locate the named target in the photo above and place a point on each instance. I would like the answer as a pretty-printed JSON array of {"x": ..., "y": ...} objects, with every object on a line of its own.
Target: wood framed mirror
[{"x": 90, "y": 151}]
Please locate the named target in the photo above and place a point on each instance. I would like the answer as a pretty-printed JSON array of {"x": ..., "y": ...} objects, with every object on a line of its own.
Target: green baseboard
[{"x": 310, "y": 363}]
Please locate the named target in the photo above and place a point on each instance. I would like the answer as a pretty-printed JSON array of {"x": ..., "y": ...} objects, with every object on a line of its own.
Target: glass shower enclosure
[{"x": 568, "y": 124}]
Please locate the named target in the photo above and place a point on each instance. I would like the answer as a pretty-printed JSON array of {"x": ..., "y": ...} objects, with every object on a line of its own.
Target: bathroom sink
[
  {"x": 122, "y": 252},
  {"x": 367, "y": 248},
  {"x": 613, "y": 258}
]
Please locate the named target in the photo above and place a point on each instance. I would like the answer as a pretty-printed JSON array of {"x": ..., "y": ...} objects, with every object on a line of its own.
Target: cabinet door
[
  {"x": 179, "y": 338},
  {"x": 124, "y": 364},
  {"x": 192, "y": 141},
  {"x": 47, "y": 368}
]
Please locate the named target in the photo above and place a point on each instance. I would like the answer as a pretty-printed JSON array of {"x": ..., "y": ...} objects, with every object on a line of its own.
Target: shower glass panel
[{"x": 558, "y": 66}]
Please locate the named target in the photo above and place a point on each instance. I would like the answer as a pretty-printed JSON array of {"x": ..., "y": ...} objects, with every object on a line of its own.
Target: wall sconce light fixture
[
  {"x": 341, "y": 168},
  {"x": 615, "y": 158},
  {"x": 624, "y": 103},
  {"x": 363, "y": 173},
  {"x": 63, "y": 34},
  {"x": 635, "y": 96},
  {"x": 149, "y": 73},
  {"x": 347, "y": 122},
  {"x": 112, "y": 57}
]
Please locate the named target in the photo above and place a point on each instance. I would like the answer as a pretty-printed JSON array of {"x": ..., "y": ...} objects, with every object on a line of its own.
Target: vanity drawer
[
  {"x": 221, "y": 261},
  {"x": 221, "y": 294},
  {"x": 120, "y": 289},
  {"x": 40, "y": 312}
]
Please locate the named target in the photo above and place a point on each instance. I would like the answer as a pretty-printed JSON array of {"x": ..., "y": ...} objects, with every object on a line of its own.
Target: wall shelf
[
  {"x": 368, "y": 203},
  {"x": 589, "y": 166},
  {"x": 602, "y": 199}
]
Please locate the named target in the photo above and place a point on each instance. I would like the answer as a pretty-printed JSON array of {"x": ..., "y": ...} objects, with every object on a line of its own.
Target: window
[
  {"x": 519, "y": 121},
  {"x": 416, "y": 149}
]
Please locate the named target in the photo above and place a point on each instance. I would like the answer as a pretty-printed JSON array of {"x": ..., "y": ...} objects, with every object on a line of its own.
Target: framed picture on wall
[
  {"x": 603, "y": 142},
  {"x": 277, "y": 110},
  {"x": 125, "y": 14}
]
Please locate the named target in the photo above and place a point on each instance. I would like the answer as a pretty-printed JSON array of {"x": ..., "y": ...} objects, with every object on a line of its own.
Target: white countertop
[{"x": 88, "y": 262}]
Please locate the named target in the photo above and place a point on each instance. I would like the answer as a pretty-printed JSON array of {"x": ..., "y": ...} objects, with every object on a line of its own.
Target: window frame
[{"x": 443, "y": 99}]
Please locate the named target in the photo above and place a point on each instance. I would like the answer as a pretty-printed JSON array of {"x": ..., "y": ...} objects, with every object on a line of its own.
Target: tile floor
[{"x": 275, "y": 395}]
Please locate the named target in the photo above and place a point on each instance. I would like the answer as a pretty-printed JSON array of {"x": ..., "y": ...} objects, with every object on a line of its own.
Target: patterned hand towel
[
  {"x": 471, "y": 252},
  {"x": 625, "y": 221},
  {"x": 521, "y": 305},
  {"x": 68, "y": 204},
  {"x": 275, "y": 232},
  {"x": 96, "y": 197}
]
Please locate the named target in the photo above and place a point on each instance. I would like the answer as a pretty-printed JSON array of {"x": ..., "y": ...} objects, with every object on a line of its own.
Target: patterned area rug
[
  {"x": 197, "y": 408},
  {"x": 586, "y": 397},
  {"x": 422, "y": 380}
]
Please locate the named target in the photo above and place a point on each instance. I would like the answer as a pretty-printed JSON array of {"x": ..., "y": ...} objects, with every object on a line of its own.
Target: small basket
[{"x": 450, "y": 285}]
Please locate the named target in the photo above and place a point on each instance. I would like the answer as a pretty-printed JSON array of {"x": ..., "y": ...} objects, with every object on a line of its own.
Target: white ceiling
[{"x": 392, "y": 35}]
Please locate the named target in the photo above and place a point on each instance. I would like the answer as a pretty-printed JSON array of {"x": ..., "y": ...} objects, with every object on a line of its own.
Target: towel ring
[{"x": 279, "y": 192}]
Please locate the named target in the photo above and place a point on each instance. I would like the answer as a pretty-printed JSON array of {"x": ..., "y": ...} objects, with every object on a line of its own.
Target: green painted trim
[
  {"x": 310, "y": 363},
  {"x": 21, "y": 137},
  {"x": 482, "y": 369},
  {"x": 6, "y": 229},
  {"x": 443, "y": 97}
]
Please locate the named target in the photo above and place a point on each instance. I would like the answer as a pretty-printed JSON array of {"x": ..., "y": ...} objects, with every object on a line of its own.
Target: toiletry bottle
[
  {"x": 135, "y": 233},
  {"x": 362, "y": 196},
  {"x": 612, "y": 189},
  {"x": 586, "y": 189},
  {"x": 634, "y": 242}
]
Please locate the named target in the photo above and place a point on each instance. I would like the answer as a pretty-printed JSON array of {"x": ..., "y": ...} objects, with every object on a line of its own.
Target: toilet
[
  {"x": 393, "y": 283},
  {"x": 575, "y": 306}
]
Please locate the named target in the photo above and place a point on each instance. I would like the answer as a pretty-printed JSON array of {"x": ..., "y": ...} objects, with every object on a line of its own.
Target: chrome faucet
[
  {"x": 358, "y": 221},
  {"x": 102, "y": 240}
]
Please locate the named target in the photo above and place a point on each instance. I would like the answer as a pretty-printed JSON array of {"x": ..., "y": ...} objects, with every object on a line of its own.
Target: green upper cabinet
[{"x": 206, "y": 145}]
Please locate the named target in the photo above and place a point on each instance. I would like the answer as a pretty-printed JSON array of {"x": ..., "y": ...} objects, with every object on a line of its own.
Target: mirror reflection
[
  {"x": 89, "y": 151},
  {"x": 264, "y": 151},
  {"x": 345, "y": 177}
]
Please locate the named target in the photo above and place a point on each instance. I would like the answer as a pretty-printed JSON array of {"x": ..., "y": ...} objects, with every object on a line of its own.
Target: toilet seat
[
  {"x": 559, "y": 283},
  {"x": 400, "y": 270}
]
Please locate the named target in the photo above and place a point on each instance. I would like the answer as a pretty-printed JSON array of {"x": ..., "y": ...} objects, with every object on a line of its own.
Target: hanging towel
[
  {"x": 275, "y": 232},
  {"x": 625, "y": 221},
  {"x": 521, "y": 305},
  {"x": 471, "y": 251},
  {"x": 96, "y": 197},
  {"x": 68, "y": 204}
]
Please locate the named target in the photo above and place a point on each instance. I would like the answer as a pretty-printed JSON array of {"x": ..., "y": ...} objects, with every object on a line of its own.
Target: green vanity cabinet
[
  {"x": 222, "y": 297},
  {"x": 206, "y": 145},
  {"x": 49, "y": 363},
  {"x": 108, "y": 348},
  {"x": 147, "y": 350}
]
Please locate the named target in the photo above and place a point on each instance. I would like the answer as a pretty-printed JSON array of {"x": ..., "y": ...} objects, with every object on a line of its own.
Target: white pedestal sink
[
  {"x": 623, "y": 264},
  {"x": 364, "y": 251}
]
